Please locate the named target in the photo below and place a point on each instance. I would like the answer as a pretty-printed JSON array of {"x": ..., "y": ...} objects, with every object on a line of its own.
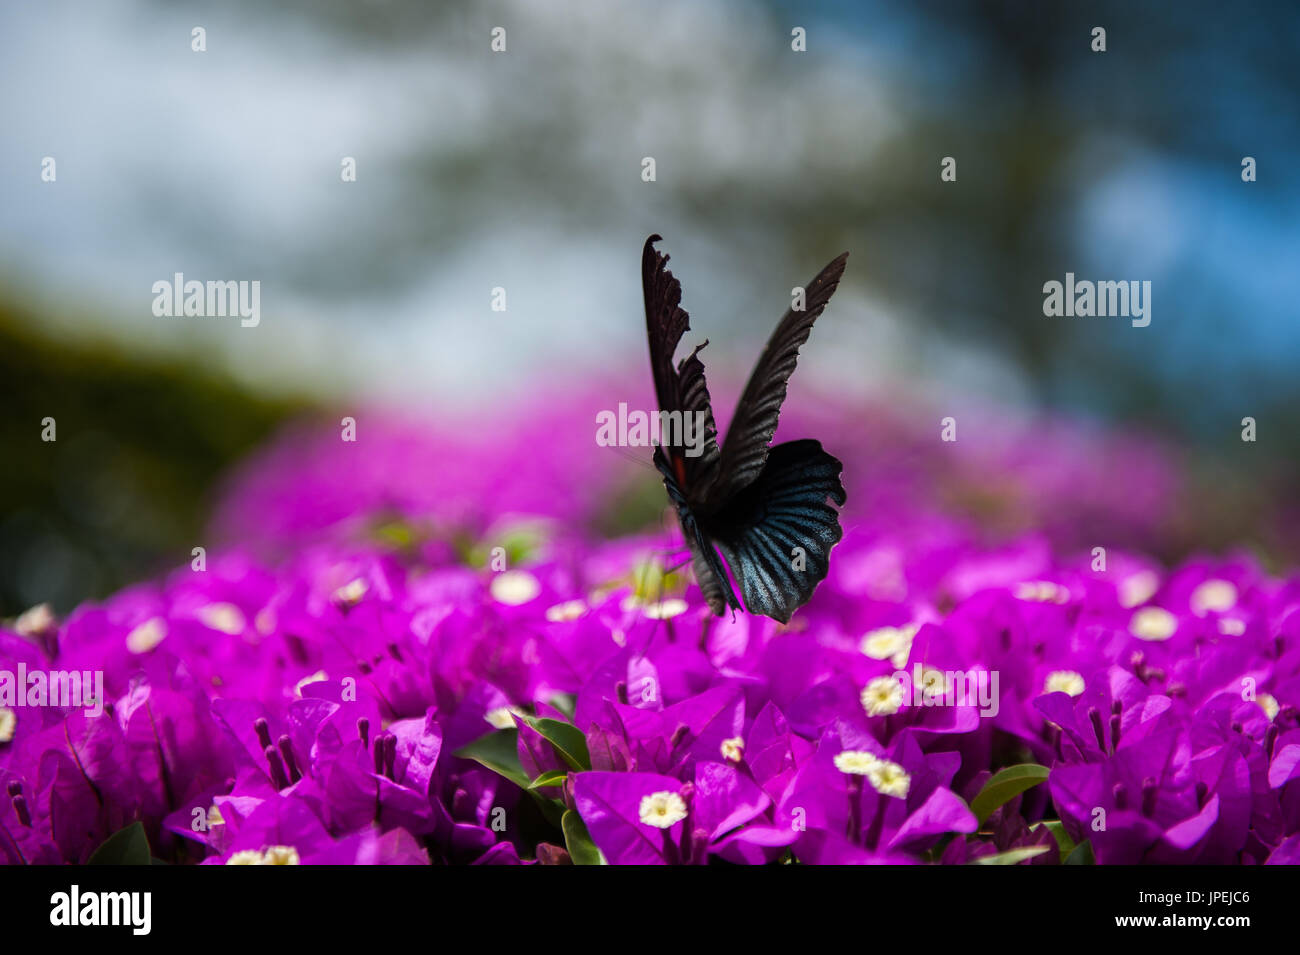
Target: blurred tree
[{"x": 123, "y": 490}]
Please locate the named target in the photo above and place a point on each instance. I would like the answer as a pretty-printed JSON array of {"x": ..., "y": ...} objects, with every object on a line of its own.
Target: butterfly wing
[
  {"x": 777, "y": 533},
  {"x": 705, "y": 562},
  {"x": 681, "y": 389},
  {"x": 745, "y": 450}
]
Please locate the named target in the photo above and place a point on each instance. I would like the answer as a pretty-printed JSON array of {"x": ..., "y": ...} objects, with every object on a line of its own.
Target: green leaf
[
  {"x": 499, "y": 752},
  {"x": 566, "y": 703},
  {"x": 553, "y": 777},
  {"x": 1082, "y": 855},
  {"x": 578, "y": 841},
  {"x": 129, "y": 846},
  {"x": 1005, "y": 786},
  {"x": 1012, "y": 856},
  {"x": 567, "y": 739},
  {"x": 1057, "y": 829}
]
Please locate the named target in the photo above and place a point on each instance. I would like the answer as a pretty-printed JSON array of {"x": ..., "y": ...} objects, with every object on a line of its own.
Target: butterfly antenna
[{"x": 637, "y": 459}]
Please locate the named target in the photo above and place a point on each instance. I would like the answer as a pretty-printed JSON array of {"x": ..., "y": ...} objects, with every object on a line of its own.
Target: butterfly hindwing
[
  {"x": 778, "y": 532},
  {"x": 705, "y": 562},
  {"x": 752, "y": 426}
]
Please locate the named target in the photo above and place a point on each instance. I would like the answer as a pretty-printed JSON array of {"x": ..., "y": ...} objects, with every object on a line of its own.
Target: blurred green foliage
[{"x": 125, "y": 489}]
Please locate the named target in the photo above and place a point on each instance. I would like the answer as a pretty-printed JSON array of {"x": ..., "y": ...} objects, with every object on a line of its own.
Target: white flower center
[
  {"x": 1138, "y": 588},
  {"x": 662, "y": 609},
  {"x": 1266, "y": 700},
  {"x": 1153, "y": 623},
  {"x": 1042, "y": 591},
  {"x": 1231, "y": 626},
  {"x": 1064, "y": 681},
  {"x": 245, "y": 857},
  {"x": 569, "y": 610},
  {"x": 882, "y": 696},
  {"x": 8, "y": 724},
  {"x": 1216, "y": 595},
  {"x": 33, "y": 622},
  {"x": 890, "y": 643},
  {"x": 889, "y": 779},
  {"x": 503, "y": 717},
  {"x": 350, "y": 594},
  {"x": 224, "y": 617},
  {"x": 666, "y": 609},
  {"x": 320, "y": 676},
  {"x": 855, "y": 762},
  {"x": 147, "y": 636},
  {"x": 733, "y": 749},
  {"x": 662, "y": 809},
  {"x": 275, "y": 855},
  {"x": 281, "y": 855},
  {"x": 515, "y": 587}
]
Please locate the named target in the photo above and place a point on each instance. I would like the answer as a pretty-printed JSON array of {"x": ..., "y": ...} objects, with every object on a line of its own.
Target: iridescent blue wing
[{"x": 778, "y": 532}]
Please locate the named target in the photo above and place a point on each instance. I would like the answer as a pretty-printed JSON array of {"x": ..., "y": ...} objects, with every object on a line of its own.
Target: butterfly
[{"x": 764, "y": 508}]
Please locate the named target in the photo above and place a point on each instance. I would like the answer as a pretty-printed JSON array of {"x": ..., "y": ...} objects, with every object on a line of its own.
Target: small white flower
[
  {"x": 890, "y": 643},
  {"x": 1216, "y": 595},
  {"x": 224, "y": 617},
  {"x": 1064, "y": 681},
  {"x": 1266, "y": 700},
  {"x": 855, "y": 762},
  {"x": 663, "y": 810},
  {"x": 1153, "y": 623},
  {"x": 1042, "y": 591},
  {"x": 664, "y": 609},
  {"x": 246, "y": 857},
  {"x": 319, "y": 676},
  {"x": 567, "y": 611},
  {"x": 515, "y": 587},
  {"x": 281, "y": 855},
  {"x": 36, "y": 621},
  {"x": 147, "y": 636},
  {"x": 1138, "y": 588},
  {"x": 503, "y": 717},
  {"x": 350, "y": 594},
  {"x": 733, "y": 749},
  {"x": 882, "y": 696},
  {"x": 889, "y": 779}
]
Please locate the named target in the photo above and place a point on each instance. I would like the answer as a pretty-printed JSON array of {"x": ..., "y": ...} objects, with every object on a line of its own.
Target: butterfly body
[{"x": 763, "y": 507}]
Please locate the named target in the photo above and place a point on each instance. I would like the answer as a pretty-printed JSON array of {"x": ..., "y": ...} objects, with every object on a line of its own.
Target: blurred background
[{"x": 523, "y": 170}]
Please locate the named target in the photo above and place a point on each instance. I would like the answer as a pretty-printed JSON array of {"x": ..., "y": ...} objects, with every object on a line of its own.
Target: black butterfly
[{"x": 764, "y": 508}]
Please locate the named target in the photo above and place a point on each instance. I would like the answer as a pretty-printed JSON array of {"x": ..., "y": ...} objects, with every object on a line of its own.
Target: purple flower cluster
[{"x": 445, "y": 664}]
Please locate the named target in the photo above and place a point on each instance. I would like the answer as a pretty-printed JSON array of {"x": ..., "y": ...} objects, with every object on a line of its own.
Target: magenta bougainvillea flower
[{"x": 431, "y": 647}]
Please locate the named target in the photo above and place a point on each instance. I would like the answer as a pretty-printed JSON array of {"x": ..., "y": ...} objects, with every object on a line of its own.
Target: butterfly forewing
[
  {"x": 681, "y": 389},
  {"x": 752, "y": 426}
]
